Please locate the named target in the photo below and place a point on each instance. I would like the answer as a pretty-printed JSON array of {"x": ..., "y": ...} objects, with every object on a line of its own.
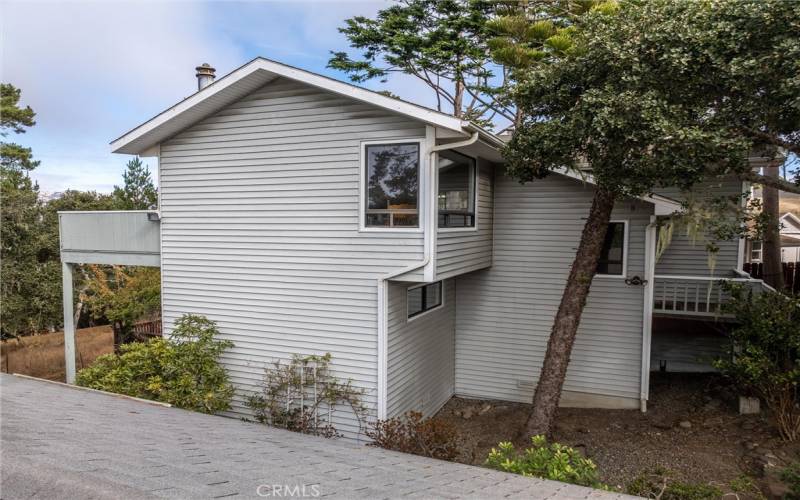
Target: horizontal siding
[
  {"x": 459, "y": 252},
  {"x": 685, "y": 257},
  {"x": 505, "y": 313},
  {"x": 259, "y": 207},
  {"x": 421, "y": 354}
]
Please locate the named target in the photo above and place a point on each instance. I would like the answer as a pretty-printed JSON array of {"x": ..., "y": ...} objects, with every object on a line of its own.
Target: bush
[
  {"x": 791, "y": 476},
  {"x": 182, "y": 370},
  {"x": 763, "y": 357},
  {"x": 659, "y": 484},
  {"x": 546, "y": 460},
  {"x": 429, "y": 437},
  {"x": 302, "y": 396}
]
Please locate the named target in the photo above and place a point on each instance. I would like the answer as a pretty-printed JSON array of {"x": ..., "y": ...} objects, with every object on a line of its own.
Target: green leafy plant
[
  {"x": 546, "y": 460},
  {"x": 791, "y": 476},
  {"x": 429, "y": 437},
  {"x": 763, "y": 357},
  {"x": 302, "y": 396},
  {"x": 660, "y": 484},
  {"x": 182, "y": 370}
]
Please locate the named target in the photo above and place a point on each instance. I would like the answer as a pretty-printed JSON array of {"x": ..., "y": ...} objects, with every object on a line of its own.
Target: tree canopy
[{"x": 137, "y": 191}]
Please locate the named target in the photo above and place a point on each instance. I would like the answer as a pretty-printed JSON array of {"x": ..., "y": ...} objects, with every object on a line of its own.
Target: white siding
[
  {"x": 259, "y": 208},
  {"x": 684, "y": 257},
  {"x": 421, "y": 357},
  {"x": 459, "y": 252},
  {"x": 505, "y": 313}
]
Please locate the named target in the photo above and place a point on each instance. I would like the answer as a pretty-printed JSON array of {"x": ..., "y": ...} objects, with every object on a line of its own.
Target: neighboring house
[
  {"x": 306, "y": 215},
  {"x": 790, "y": 237}
]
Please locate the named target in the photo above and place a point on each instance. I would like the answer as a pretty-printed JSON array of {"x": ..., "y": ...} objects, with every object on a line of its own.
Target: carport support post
[{"x": 69, "y": 322}]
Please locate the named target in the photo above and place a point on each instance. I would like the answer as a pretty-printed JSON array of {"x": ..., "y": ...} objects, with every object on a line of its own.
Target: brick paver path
[{"x": 60, "y": 442}]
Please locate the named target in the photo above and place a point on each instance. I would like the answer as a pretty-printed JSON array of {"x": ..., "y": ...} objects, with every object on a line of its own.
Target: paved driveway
[{"x": 60, "y": 442}]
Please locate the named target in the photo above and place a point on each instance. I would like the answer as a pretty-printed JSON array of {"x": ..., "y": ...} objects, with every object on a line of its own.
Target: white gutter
[
  {"x": 429, "y": 243},
  {"x": 647, "y": 316}
]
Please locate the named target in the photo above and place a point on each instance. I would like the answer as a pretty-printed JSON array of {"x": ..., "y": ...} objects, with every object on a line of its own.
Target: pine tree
[{"x": 138, "y": 191}]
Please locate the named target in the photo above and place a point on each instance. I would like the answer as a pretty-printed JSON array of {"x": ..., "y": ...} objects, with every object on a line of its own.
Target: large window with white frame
[
  {"x": 614, "y": 254},
  {"x": 424, "y": 298},
  {"x": 456, "y": 197},
  {"x": 392, "y": 173}
]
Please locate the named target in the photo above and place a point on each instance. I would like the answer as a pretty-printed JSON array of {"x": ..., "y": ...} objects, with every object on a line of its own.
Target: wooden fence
[
  {"x": 791, "y": 273},
  {"x": 43, "y": 355}
]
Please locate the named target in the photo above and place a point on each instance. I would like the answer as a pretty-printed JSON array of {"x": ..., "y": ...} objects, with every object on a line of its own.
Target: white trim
[
  {"x": 409, "y": 319},
  {"x": 69, "y": 321},
  {"x": 741, "y": 247},
  {"x": 476, "y": 180},
  {"x": 647, "y": 314},
  {"x": 362, "y": 187},
  {"x": 626, "y": 228},
  {"x": 275, "y": 69}
]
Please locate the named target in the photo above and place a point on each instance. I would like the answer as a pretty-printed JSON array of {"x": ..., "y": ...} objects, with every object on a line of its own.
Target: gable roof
[
  {"x": 253, "y": 75},
  {"x": 794, "y": 221}
]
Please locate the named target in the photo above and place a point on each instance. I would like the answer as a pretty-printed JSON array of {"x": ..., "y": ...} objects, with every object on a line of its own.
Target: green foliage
[
  {"x": 122, "y": 295},
  {"x": 662, "y": 93},
  {"x": 546, "y": 460},
  {"x": 138, "y": 191},
  {"x": 791, "y": 476},
  {"x": 303, "y": 395},
  {"x": 182, "y": 370},
  {"x": 660, "y": 484},
  {"x": 763, "y": 357},
  {"x": 440, "y": 42},
  {"x": 30, "y": 285},
  {"x": 429, "y": 437}
]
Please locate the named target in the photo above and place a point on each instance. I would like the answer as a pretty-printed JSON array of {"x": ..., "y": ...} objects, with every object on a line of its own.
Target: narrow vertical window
[
  {"x": 392, "y": 185},
  {"x": 612, "y": 258},
  {"x": 456, "y": 197}
]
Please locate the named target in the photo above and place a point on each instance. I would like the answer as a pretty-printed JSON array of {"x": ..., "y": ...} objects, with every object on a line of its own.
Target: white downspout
[
  {"x": 429, "y": 243},
  {"x": 647, "y": 316}
]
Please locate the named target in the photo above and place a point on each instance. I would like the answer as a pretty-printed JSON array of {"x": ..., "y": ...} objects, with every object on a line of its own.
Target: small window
[
  {"x": 392, "y": 179},
  {"x": 755, "y": 251},
  {"x": 456, "y": 190},
  {"x": 424, "y": 298},
  {"x": 612, "y": 260}
]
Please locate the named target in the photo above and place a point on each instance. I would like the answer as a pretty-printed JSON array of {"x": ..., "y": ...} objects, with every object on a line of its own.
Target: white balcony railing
[{"x": 696, "y": 295}]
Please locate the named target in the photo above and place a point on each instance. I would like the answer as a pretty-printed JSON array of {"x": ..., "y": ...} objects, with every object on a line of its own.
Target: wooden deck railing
[{"x": 696, "y": 295}]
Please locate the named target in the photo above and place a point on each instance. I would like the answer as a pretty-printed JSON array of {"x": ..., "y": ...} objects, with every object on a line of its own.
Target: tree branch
[
  {"x": 777, "y": 183},
  {"x": 772, "y": 139}
]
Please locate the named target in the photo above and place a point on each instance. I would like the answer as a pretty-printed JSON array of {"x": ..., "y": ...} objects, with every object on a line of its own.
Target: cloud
[{"x": 93, "y": 70}]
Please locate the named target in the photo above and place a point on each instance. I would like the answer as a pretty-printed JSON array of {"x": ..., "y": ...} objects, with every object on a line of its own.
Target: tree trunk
[
  {"x": 565, "y": 326},
  {"x": 458, "y": 99},
  {"x": 771, "y": 246}
]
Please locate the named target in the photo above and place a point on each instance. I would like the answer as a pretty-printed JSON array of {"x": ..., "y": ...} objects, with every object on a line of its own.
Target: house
[
  {"x": 306, "y": 215},
  {"x": 790, "y": 241}
]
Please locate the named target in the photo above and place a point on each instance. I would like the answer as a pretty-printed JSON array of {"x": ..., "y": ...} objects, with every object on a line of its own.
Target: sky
[{"x": 94, "y": 70}]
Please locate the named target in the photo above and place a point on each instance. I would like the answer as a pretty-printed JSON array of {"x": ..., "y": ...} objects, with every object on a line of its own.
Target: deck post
[{"x": 69, "y": 322}]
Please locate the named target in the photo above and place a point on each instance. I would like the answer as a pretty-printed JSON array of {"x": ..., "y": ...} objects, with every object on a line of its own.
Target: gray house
[{"x": 306, "y": 215}]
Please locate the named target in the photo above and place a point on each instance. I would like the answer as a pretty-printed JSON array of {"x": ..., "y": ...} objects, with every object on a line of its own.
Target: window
[
  {"x": 456, "y": 190},
  {"x": 755, "y": 251},
  {"x": 612, "y": 260},
  {"x": 392, "y": 185},
  {"x": 424, "y": 298}
]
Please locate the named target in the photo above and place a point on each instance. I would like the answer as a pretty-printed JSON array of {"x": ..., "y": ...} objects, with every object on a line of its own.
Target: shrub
[
  {"x": 660, "y": 484},
  {"x": 303, "y": 395},
  {"x": 791, "y": 476},
  {"x": 182, "y": 370},
  {"x": 763, "y": 357},
  {"x": 429, "y": 437},
  {"x": 546, "y": 460}
]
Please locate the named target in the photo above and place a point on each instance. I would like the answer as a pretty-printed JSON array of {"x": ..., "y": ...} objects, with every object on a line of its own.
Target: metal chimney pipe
[{"x": 205, "y": 75}]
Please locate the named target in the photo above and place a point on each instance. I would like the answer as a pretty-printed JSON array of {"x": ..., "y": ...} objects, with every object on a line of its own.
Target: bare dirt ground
[{"x": 692, "y": 428}]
